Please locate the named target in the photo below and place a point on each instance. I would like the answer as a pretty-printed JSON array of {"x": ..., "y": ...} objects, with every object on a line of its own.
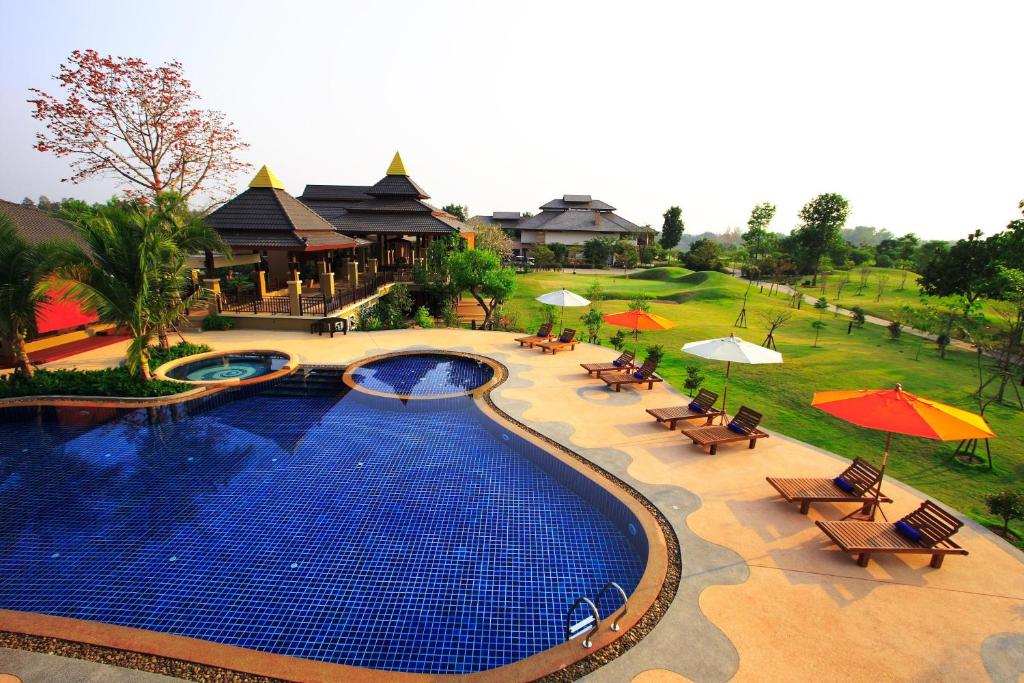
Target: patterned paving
[{"x": 360, "y": 531}]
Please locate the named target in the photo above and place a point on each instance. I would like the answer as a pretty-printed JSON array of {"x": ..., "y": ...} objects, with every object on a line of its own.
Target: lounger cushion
[
  {"x": 694, "y": 406},
  {"x": 639, "y": 375},
  {"x": 617, "y": 363},
  {"x": 908, "y": 532},
  {"x": 844, "y": 484},
  {"x": 736, "y": 428}
]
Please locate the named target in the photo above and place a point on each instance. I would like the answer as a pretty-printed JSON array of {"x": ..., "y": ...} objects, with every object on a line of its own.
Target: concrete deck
[{"x": 763, "y": 595}]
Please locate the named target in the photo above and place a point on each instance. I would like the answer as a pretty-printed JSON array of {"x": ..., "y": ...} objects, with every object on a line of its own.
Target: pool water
[
  {"x": 416, "y": 536},
  {"x": 229, "y": 367},
  {"x": 423, "y": 374}
]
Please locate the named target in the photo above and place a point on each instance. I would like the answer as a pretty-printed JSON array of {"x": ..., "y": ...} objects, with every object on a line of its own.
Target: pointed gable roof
[
  {"x": 397, "y": 183},
  {"x": 265, "y": 215}
]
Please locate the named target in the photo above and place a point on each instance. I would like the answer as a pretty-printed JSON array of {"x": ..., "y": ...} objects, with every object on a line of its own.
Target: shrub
[
  {"x": 593, "y": 321},
  {"x": 216, "y": 322},
  {"x": 655, "y": 353},
  {"x": 858, "y": 316},
  {"x": 895, "y": 329},
  {"x": 1007, "y": 505},
  {"x": 423, "y": 317},
  {"x": 158, "y": 357},
  {"x": 109, "y": 382},
  {"x": 693, "y": 380},
  {"x": 449, "y": 315},
  {"x": 618, "y": 340}
]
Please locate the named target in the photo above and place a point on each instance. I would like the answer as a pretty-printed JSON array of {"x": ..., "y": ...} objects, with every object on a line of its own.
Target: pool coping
[
  {"x": 498, "y": 375},
  {"x": 566, "y": 661}
]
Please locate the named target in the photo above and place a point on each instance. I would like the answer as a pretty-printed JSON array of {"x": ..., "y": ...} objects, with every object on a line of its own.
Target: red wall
[{"x": 61, "y": 315}]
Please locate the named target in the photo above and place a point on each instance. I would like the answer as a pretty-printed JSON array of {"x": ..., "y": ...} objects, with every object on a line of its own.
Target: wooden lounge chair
[
  {"x": 623, "y": 362},
  {"x": 645, "y": 375},
  {"x": 566, "y": 340},
  {"x": 746, "y": 422},
  {"x": 863, "y": 478},
  {"x": 930, "y": 523},
  {"x": 705, "y": 400},
  {"x": 543, "y": 335}
]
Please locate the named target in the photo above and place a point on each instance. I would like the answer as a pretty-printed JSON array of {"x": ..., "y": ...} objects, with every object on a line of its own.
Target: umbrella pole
[
  {"x": 885, "y": 460},
  {"x": 561, "y": 320},
  {"x": 725, "y": 391}
]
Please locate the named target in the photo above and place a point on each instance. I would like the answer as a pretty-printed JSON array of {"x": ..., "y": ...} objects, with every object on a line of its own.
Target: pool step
[
  {"x": 312, "y": 381},
  {"x": 579, "y": 627},
  {"x": 590, "y": 625}
]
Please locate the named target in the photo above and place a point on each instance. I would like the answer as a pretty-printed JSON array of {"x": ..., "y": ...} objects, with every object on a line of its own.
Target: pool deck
[{"x": 763, "y": 595}]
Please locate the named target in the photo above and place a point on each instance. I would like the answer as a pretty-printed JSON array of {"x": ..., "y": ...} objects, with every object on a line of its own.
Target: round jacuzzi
[
  {"x": 233, "y": 366},
  {"x": 422, "y": 375}
]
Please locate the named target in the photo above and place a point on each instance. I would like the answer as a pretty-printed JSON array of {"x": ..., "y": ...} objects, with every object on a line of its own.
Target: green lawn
[
  {"x": 899, "y": 288},
  {"x": 704, "y": 305}
]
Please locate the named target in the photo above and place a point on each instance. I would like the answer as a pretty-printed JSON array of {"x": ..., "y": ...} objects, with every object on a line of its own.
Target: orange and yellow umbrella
[
  {"x": 639, "y": 320},
  {"x": 899, "y": 412}
]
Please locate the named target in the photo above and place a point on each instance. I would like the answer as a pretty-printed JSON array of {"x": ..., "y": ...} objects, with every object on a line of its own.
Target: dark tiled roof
[
  {"x": 562, "y": 204},
  {"x": 391, "y": 205},
  {"x": 582, "y": 221},
  {"x": 397, "y": 185},
  {"x": 402, "y": 223},
  {"x": 339, "y": 192},
  {"x": 577, "y": 198},
  {"x": 269, "y": 214},
  {"x": 507, "y": 215},
  {"x": 36, "y": 225}
]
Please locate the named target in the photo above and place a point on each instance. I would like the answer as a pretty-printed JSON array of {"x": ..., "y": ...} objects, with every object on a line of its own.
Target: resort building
[
  {"x": 391, "y": 214},
  {"x": 571, "y": 220},
  {"x": 60, "y": 326}
]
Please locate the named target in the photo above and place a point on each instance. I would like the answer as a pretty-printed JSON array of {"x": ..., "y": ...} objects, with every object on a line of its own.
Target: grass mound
[
  {"x": 702, "y": 294},
  {"x": 663, "y": 274}
]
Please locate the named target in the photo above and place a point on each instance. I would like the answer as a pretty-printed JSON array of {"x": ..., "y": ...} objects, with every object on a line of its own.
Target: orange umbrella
[
  {"x": 898, "y": 412},
  {"x": 638, "y": 320}
]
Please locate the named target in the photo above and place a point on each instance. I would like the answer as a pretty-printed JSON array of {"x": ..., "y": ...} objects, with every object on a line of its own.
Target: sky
[{"x": 911, "y": 110}]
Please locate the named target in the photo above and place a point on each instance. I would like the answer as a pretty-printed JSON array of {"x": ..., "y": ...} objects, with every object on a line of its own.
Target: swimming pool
[
  {"x": 419, "y": 536},
  {"x": 228, "y": 366}
]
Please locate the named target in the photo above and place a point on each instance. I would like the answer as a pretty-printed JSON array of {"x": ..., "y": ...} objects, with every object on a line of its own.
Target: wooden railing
[{"x": 310, "y": 304}]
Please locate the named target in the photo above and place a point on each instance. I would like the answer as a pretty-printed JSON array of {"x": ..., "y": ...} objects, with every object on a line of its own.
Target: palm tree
[
  {"x": 24, "y": 267},
  {"x": 136, "y": 274}
]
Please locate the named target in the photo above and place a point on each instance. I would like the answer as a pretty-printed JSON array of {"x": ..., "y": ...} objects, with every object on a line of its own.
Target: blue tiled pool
[
  {"x": 423, "y": 374},
  {"x": 359, "y": 530}
]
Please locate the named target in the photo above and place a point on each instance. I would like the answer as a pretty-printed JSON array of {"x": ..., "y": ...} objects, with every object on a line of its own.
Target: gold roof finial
[
  {"x": 266, "y": 178},
  {"x": 397, "y": 167}
]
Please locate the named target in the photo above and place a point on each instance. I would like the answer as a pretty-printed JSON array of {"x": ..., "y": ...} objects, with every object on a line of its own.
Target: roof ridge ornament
[
  {"x": 397, "y": 167},
  {"x": 266, "y": 178}
]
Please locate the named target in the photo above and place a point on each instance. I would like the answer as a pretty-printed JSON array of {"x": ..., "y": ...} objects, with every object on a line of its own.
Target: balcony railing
[{"x": 318, "y": 305}]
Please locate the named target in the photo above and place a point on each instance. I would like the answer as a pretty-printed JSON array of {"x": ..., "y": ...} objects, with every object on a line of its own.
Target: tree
[
  {"x": 135, "y": 274},
  {"x": 693, "y": 380},
  {"x": 968, "y": 269},
  {"x": 597, "y": 250},
  {"x": 482, "y": 275},
  {"x": 627, "y": 253},
  {"x": 703, "y": 255},
  {"x": 27, "y": 201},
  {"x": 24, "y": 269},
  {"x": 672, "y": 228},
  {"x": 123, "y": 118},
  {"x": 928, "y": 252},
  {"x": 561, "y": 252},
  {"x": 758, "y": 240},
  {"x": 774, "y": 319},
  {"x": 492, "y": 238},
  {"x": 1007, "y": 505},
  {"x": 543, "y": 257},
  {"x": 823, "y": 219},
  {"x": 821, "y": 305},
  {"x": 460, "y": 211}
]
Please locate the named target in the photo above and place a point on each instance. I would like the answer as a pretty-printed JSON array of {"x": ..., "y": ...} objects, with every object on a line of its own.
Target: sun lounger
[
  {"x": 702, "y": 407},
  {"x": 623, "y": 362},
  {"x": 742, "y": 428},
  {"x": 543, "y": 335},
  {"x": 566, "y": 340},
  {"x": 645, "y": 375},
  {"x": 926, "y": 531},
  {"x": 858, "y": 483}
]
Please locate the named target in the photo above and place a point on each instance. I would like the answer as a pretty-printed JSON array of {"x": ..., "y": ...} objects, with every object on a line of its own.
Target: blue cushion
[
  {"x": 844, "y": 484},
  {"x": 694, "y": 406},
  {"x": 639, "y": 375},
  {"x": 736, "y": 428},
  {"x": 908, "y": 532},
  {"x": 617, "y": 363}
]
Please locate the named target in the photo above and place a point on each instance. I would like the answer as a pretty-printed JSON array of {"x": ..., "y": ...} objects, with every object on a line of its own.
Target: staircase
[
  {"x": 310, "y": 381},
  {"x": 468, "y": 311}
]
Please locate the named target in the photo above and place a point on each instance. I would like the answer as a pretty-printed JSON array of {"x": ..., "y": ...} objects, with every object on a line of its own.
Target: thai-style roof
[
  {"x": 576, "y": 202},
  {"x": 36, "y": 225},
  {"x": 266, "y": 216},
  {"x": 392, "y": 205}
]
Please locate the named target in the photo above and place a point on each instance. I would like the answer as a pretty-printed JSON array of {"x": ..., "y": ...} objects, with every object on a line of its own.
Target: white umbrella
[
  {"x": 731, "y": 349},
  {"x": 563, "y": 298}
]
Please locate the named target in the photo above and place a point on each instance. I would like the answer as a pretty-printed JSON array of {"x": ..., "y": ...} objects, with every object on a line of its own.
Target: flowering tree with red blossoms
[{"x": 124, "y": 118}]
